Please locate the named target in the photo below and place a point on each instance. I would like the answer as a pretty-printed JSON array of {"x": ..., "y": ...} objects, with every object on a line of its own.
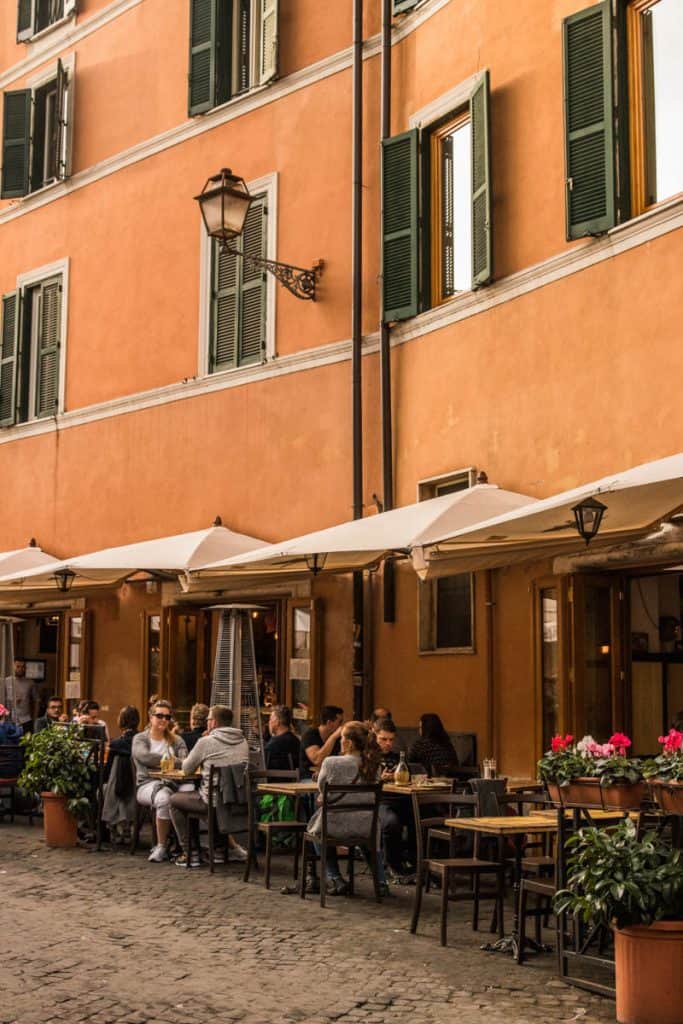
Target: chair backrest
[
  {"x": 258, "y": 775},
  {"x": 488, "y": 792},
  {"x": 350, "y": 799},
  {"x": 465, "y": 744},
  {"x": 430, "y": 809}
]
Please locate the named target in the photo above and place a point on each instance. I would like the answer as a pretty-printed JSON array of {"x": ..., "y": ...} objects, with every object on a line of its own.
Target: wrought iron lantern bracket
[{"x": 299, "y": 281}]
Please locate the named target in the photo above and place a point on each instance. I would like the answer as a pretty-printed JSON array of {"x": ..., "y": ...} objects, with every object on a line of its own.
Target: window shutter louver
[
  {"x": 243, "y": 29},
  {"x": 16, "y": 131},
  {"x": 403, "y": 5},
  {"x": 70, "y": 7},
  {"x": 400, "y": 226},
  {"x": 224, "y": 313},
  {"x": 61, "y": 126},
  {"x": 589, "y": 121},
  {"x": 202, "y": 76},
  {"x": 268, "y": 42},
  {"x": 482, "y": 252},
  {"x": 47, "y": 355},
  {"x": 253, "y": 291},
  {"x": 24, "y": 20},
  {"x": 9, "y": 343}
]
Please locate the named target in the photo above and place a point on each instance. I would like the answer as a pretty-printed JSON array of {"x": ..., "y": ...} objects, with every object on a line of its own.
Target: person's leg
[
  {"x": 162, "y": 806},
  {"x": 391, "y": 832},
  {"x": 180, "y": 807},
  {"x": 332, "y": 871}
]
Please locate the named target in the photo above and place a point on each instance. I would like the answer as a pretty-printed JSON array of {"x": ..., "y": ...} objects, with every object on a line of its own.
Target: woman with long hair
[
  {"x": 433, "y": 747},
  {"x": 160, "y": 739},
  {"x": 358, "y": 764}
]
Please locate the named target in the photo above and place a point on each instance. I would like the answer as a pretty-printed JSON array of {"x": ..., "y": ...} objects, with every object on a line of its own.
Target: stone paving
[{"x": 106, "y": 937}]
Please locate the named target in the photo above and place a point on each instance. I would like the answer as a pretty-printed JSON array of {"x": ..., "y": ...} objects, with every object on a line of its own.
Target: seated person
[
  {"x": 10, "y": 734},
  {"x": 159, "y": 739},
  {"x": 53, "y": 713},
  {"x": 395, "y": 812},
  {"x": 118, "y": 809},
  {"x": 90, "y": 716},
  {"x": 433, "y": 747},
  {"x": 358, "y": 764},
  {"x": 283, "y": 749},
  {"x": 222, "y": 746},
  {"x": 317, "y": 744},
  {"x": 198, "y": 716},
  {"x": 385, "y": 734}
]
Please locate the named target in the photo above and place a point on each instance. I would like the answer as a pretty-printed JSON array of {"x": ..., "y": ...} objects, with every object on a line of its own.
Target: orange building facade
[{"x": 148, "y": 387}]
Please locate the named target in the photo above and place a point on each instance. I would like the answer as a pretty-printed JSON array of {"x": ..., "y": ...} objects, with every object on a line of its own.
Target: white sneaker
[
  {"x": 158, "y": 853},
  {"x": 237, "y": 852}
]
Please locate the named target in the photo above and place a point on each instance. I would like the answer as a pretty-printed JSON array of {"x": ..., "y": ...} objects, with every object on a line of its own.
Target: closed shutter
[
  {"x": 48, "y": 343},
  {"x": 60, "y": 136},
  {"x": 224, "y": 311},
  {"x": 482, "y": 263},
  {"x": 242, "y": 45},
  {"x": 9, "y": 344},
  {"x": 24, "y": 20},
  {"x": 253, "y": 292},
  {"x": 268, "y": 41},
  {"x": 589, "y": 121},
  {"x": 202, "y": 76},
  {"x": 16, "y": 131},
  {"x": 403, "y": 5},
  {"x": 400, "y": 226}
]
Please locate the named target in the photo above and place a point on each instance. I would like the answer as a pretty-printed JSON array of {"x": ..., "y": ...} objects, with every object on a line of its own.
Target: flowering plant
[
  {"x": 563, "y": 762},
  {"x": 613, "y": 765},
  {"x": 609, "y": 762},
  {"x": 669, "y": 763}
]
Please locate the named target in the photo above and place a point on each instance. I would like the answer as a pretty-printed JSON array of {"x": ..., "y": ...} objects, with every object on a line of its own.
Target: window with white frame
[
  {"x": 446, "y": 605},
  {"x": 36, "y": 133},
  {"x": 32, "y": 322},
  {"x": 36, "y": 16}
]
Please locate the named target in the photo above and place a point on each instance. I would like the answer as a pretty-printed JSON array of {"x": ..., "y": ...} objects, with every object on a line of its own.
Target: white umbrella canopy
[
  {"x": 635, "y": 500},
  {"x": 24, "y": 559},
  {"x": 360, "y": 543},
  {"x": 175, "y": 554}
]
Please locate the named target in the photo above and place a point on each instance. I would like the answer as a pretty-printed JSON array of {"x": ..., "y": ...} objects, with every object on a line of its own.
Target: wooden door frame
[
  {"x": 168, "y": 653},
  {"x": 565, "y": 716},
  {"x": 314, "y": 605}
]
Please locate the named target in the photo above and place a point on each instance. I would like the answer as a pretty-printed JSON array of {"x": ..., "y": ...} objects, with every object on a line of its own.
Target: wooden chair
[
  {"x": 448, "y": 868},
  {"x": 270, "y": 829},
  {"x": 544, "y": 889},
  {"x": 11, "y": 764},
  {"x": 94, "y": 760},
  {"x": 338, "y": 800}
]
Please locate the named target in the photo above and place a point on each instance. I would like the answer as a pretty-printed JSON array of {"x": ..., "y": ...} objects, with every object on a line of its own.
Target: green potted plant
[
  {"x": 567, "y": 771},
  {"x": 635, "y": 886},
  {"x": 665, "y": 773},
  {"x": 621, "y": 777},
  {"x": 55, "y": 769}
]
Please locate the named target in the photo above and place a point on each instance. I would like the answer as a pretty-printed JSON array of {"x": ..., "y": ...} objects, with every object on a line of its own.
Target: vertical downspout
[
  {"x": 388, "y": 576},
  {"x": 491, "y": 733},
  {"x": 356, "y": 346}
]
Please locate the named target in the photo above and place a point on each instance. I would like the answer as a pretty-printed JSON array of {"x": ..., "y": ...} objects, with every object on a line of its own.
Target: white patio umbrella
[
  {"x": 24, "y": 559},
  {"x": 635, "y": 500},
  {"x": 177, "y": 554},
  {"x": 360, "y": 543}
]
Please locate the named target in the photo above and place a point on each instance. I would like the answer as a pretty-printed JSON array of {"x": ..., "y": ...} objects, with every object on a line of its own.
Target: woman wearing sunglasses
[{"x": 160, "y": 739}]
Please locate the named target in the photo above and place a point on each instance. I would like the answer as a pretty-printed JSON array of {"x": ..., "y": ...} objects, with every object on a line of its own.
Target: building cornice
[{"x": 640, "y": 231}]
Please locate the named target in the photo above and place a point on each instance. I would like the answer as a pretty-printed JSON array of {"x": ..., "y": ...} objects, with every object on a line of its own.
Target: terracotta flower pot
[
  {"x": 669, "y": 795},
  {"x": 648, "y": 961},
  {"x": 554, "y": 792},
  {"x": 626, "y": 796},
  {"x": 583, "y": 792},
  {"x": 59, "y": 823}
]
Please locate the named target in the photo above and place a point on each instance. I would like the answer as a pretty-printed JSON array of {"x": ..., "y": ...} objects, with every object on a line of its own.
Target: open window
[
  {"x": 36, "y": 135},
  {"x": 233, "y": 48},
  {"x": 36, "y": 16},
  {"x": 31, "y": 325}
]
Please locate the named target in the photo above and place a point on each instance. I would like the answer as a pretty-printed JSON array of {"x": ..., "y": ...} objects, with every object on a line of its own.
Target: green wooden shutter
[
  {"x": 9, "y": 344},
  {"x": 400, "y": 226},
  {"x": 224, "y": 310},
  {"x": 25, "y": 11},
  {"x": 61, "y": 122},
  {"x": 252, "y": 336},
  {"x": 403, "y": 5},
  {"x": 482, "y": 252},
  {"x": 48, "y": 344},
  {"x": 268, "y": 42},
  {"x": 243, "y": 45},
  {"x": 202, "y": 77},
  {"x": 16, "y": 134},
  {"x": 589, "y": 121}
]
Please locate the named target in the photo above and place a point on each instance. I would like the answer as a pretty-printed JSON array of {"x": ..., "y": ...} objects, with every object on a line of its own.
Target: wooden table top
[
  {"x": 533, "y": 785},
  {"x": 595, "y": 814},
  {"x": 504, "y": 826},
  {"x": 288, "y": 788},
  {"x": 413, "y": 787},
  {"x": 176, "y": 775}
]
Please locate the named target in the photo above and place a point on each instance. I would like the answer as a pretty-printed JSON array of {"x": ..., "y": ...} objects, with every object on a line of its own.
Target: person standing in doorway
[{"x": 21, "y": 696}]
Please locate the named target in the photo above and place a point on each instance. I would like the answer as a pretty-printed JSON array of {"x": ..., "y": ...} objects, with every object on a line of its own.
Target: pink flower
[
  {"x": 620, "y": 742},
  {"x": 559, "y": 743},
  {"x": 673, "y": 741}
]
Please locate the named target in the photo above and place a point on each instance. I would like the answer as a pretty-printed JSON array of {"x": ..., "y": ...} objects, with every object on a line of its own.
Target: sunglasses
[{"x": 167, "y": 717}]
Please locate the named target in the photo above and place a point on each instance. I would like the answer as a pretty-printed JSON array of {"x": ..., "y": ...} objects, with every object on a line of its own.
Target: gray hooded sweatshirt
[{"x": 222, "y": 747}]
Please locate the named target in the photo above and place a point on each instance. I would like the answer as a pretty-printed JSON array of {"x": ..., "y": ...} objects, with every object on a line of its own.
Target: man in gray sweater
[{"x": 223, "y": 746}]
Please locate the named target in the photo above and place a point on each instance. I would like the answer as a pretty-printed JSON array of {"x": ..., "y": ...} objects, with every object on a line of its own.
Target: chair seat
[
  {"x": 462, "y": 863},
  {"x": 439, "y": 833},
  {"x": 346, "y": 841},
  {"x": 541, "y": 888},
  {"x": 536, "y": 865},
  {"x": 9, "y": 782},
  {"x": 281, "y": 826}
]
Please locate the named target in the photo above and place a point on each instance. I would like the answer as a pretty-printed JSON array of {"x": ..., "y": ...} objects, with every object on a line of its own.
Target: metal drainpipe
[
  {"x": 491, "y": 731},
  {"x": 388, "y": 576},
  {"x": 356, "y": 347}
]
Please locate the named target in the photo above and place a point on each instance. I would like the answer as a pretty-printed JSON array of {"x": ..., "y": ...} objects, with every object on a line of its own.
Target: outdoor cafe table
[{"x": 515, "y": 828}]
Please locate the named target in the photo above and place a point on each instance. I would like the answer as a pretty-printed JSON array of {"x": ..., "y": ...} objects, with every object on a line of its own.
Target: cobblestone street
[{"x": 104, "y": 937}]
